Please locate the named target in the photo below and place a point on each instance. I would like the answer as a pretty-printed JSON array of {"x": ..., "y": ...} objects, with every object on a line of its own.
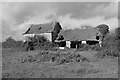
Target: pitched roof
[
  {"x": 79, "y": 34},
  {"x": 40, "y": 28}
]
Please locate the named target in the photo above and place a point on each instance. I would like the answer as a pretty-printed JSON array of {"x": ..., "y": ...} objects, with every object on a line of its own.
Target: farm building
[
  {"x": 73, "y": 37},
  {"x": 48, "y": 30}
]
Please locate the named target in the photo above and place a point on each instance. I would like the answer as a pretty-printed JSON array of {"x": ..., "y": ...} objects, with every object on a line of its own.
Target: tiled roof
[
  {"x": 79, "y": 34},
  {"x": 40, "y": 28}
]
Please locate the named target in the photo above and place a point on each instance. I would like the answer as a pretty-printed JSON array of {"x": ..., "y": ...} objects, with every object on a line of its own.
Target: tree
[
  {"x": 10, "y": 39},
  {"x": 104, "y": 29},
  {"x": 86, "y": 26},
  {"x": 117, "y": 32}
]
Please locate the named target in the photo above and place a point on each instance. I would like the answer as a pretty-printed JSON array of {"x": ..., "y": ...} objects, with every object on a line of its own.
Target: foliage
[
  {"x": 40, "y": 39},
  {"x": 117, "y": 32},
  {"x": 39, "y": 42},
  {"x": 58, "y": 58},
  {"x": 42, "y": 42},
  {"x": 86, "y": 26},
  {"x": 10, "y": 39},
  {"x": 103, "y": 28},
  {"x": 85, "y": 47},
  {"x": 110, "y": 47},
  {"x": 11, "y": 43}
]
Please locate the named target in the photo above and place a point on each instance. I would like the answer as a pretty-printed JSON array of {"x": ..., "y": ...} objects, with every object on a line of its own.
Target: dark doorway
[
  {"x": 92, "y": 42},
  {"x": 62, "y": 44},
  {"x": 75, "y": 44}
]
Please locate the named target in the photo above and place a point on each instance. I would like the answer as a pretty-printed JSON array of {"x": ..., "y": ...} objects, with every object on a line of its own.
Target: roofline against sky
[{"x": 60, "y": 0}]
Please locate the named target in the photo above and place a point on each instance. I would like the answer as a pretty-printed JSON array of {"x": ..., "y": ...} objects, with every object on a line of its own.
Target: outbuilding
[{"x": 72, "y": 38}]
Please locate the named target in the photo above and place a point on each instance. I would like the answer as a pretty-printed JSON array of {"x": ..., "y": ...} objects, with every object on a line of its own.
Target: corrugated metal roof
[{"x": 79, "y": 34}]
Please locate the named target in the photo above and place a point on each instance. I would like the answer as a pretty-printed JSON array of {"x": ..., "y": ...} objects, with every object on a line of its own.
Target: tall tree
[
  {"x": 104, "y": 29},
  {"x": 86, "y": 26},
  {"x": 10, "y": 39},
  {"x": 117, "y": 32}
]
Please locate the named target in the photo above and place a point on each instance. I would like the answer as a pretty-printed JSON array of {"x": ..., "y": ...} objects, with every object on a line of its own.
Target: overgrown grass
[
  {"x": 43, "y": 44},
  {"x": 58, "y": 57},
  {"x": 110, "y": 47},
  {"x": 12, "y": 44},
  {"x": 86, "y": 47}
]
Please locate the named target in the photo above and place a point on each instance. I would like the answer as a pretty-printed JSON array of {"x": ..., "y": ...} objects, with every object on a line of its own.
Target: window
[
  {"x": 39, "y": 28},
  {"x": 97, "y": 37}
]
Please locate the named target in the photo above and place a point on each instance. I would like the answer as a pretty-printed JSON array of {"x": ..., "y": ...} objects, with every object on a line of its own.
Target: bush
[
  {"x": 41, "y": 42},
  {"x": 28, "y": 58},
  {"x": 57, "y": 58},
  {"x": 107, "y": 52},
  {"x": 47, "y": 46},
  {"x": 110, "y": 47},
  {"x": 85, "y": 47},
  {"x": 12, "y": 44},
  {"x": 117, "y": 32}
]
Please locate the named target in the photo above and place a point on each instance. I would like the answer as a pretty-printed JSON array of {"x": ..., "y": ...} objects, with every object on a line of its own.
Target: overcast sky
[{"x": 16, "y": 16}]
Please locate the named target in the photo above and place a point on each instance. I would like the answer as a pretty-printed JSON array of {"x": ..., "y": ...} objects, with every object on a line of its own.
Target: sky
[{"x": 17, "y": 16}]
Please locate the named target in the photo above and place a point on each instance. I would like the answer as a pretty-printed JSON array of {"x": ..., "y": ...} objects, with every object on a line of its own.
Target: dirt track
[{"x": 94, "y": 68}]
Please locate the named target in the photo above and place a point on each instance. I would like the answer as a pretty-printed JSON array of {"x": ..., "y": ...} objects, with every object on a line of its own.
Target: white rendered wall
[
  {"x": 26, "y": 37},
  {"x": 48, "y": 36},
  {"x": 68, "y": 44},
  {"x": 83, "y": 42}
]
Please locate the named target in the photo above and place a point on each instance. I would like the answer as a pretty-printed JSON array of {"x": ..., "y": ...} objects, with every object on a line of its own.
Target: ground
[{"x": 32, "y": 64}]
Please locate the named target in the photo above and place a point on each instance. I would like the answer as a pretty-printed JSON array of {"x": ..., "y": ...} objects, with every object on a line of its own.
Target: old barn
[
  {"x": 48, "y": 30},
  {"x": 72, "y": 38}
]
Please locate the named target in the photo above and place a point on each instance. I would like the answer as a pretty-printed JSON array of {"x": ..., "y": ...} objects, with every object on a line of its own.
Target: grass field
[
  {"x": 48, "y": 61},
  {"x": 68, "y": 63}
]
